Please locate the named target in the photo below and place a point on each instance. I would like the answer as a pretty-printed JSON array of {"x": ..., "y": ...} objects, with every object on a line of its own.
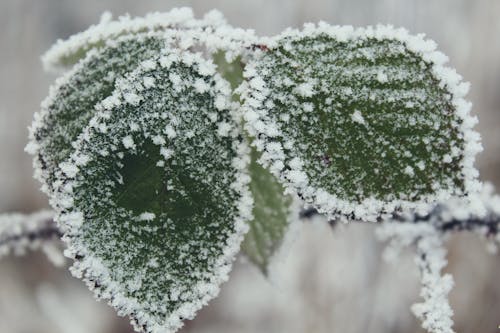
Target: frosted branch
[
  {"x": 478, "y": 213},
  {"x": 22, "y": 232},
  {"x": 435, "y": 311}
]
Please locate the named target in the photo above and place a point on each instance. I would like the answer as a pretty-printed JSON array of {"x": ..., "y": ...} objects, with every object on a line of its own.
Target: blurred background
[{"x": 330, "y": 280}]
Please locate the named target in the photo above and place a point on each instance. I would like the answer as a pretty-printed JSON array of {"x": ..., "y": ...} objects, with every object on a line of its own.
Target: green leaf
[
  {"x": 361, "y": 123},
  {"x": 273, "y": 210},
  {"x": 155, "y": 199},
  {"x": 231, "y": 71},
  {"x": 70, "y": 105},
  {"x": 273, "y": 213},
  {"x": 66, "y": 53}
]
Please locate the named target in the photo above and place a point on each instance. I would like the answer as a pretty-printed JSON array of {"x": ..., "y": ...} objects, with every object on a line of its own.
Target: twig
[{"x": 20, "y": 232}]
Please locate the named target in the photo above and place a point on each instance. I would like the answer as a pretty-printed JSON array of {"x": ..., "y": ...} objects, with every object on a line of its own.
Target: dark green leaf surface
[
  {"x": 70, "y": 106},
  {"x": 273, "y": 211},
  {"x": 156, "y": 197},
  {"x": 360, "y": 122}
]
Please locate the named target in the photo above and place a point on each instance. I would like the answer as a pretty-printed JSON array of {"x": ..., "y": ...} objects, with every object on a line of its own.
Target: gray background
[{"x": 330, "y": 281}]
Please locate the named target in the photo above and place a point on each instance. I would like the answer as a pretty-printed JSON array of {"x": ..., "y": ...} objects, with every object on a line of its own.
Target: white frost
[
  {"x": 146, "y": 216},
  {"x": 357, "y": 117},
  {"x": 128, "y": 142},
  {"x": 266, "y": 127},
  {"x": 306, "y": 89}
]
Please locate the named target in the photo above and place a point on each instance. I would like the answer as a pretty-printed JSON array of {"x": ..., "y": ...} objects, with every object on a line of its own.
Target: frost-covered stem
[
  {"x": 21, "y": 232},
  {"x": 479, "y": 213},
  {"x": 490, "y": 225},
  {"x": 435, "y": 311}
]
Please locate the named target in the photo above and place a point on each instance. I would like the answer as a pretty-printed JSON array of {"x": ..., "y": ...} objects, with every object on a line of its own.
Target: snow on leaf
[
  {"x": 68, "y": 52},
  {"x": 157, "y": 239},
  {"x": 273, "y": 213},
  {"x": 70, "y": 104},
  {"x": 353, "y": 114},
  {"x": 211, "y": 30}
]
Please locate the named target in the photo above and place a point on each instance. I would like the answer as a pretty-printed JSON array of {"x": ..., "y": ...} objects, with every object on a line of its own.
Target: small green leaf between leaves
[
  {"x": 272, "y": 215},
  {"x": 273, "y": 210}
]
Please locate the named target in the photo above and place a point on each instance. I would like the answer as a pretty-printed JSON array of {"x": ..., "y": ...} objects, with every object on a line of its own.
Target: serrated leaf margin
[
  {"x": 259, "y": 125},
  {"x": 89, "y": 267}
]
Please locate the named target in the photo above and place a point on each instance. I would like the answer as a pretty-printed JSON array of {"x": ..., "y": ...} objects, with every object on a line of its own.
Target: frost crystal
[
  {"x": 435, "y": 311},
  {"x": 361, "y": 110},
  {"x": 357, "y": 117},
  {"x": 478, "y": 212},
  {"x": 108, "y": 51},
  {"x": 157, "y": 239}
]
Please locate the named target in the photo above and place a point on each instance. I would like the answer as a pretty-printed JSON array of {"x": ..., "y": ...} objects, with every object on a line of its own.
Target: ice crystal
[
  {"x": 477, "y": 212},
  {"x": 65, "y": 53},
  {"x": 274, "y": 211},
  {"x": 211, "y": 30},
  {"x": 109, "y": 50}
]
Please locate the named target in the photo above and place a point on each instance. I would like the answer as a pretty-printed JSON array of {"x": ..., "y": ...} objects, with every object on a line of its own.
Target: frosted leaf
[
  {"x": 20, "y": 233},
  {"x": 109, "y": 52},
  {"x": 273, "y": 211},
  {"x": 65, "y": 53},
  {"x": 211, "y": 30},
  {"x": 70, "y": 105},
  {"x": 157, "y": 239},
  {"x": 358, "y": 111},
  {"x": 273, "y": 214}
]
